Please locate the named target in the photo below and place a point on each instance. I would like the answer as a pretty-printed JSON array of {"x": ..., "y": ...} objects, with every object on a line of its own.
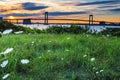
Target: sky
[{"x": 103, "y": 10}]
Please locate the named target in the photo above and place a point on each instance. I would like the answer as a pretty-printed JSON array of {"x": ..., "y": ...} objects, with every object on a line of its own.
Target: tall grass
[{"x": 61, "y": 57}]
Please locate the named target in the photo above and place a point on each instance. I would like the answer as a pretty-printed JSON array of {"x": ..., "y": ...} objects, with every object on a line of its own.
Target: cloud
[
  {"x": 32, "y": 6},
  {"x": 21, "y": 14},
  {"x": 50, "y": 14},
  {"x": 115, "y": 10},
  {"x": 65, "y": 13},
  {"x": 3, "y": 10},
  {"x": 108, "y": 6},
  {"x": 97, "y": 3},
  {"x": 68, "y": 4}
]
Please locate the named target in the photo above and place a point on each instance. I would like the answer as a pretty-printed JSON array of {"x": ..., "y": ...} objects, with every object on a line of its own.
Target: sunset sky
[{"x": 106, "y": 10}]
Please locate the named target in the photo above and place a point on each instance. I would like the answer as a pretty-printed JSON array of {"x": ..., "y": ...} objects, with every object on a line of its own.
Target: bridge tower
[
  {"x": 46, "y": 18},
  {"x": 90, "y": 20}
]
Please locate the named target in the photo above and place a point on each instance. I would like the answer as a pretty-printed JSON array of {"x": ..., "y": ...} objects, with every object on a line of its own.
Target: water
[{"x": 42, "y": 26}]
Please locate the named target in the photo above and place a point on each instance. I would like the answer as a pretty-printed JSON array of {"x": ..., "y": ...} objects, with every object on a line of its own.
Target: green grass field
[{"x": 60, "y": 57}]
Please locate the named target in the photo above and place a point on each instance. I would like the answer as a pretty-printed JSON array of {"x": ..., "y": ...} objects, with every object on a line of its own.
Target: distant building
[
  {"x": 1, "y": 18},
  {"x": 102, "y": 23},
  {"x": 26, "y": 21},
  {"x": 114, "y": 24}
]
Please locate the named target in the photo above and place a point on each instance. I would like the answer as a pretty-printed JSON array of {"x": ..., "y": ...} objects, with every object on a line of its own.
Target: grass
[{"x": 61, "y": 57}]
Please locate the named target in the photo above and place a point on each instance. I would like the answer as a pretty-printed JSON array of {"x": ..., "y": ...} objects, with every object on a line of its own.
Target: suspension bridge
[{"x": 47, "y": 21}]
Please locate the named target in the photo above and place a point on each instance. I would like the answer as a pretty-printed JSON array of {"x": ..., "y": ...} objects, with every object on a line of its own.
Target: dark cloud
[
  {"x": 21, "y": 15},
  {"x": 65, "y": 13},
  {"x": 115, "y": 10},
  {"x": 98, "y": 2},
  {"x": 32, "y": 6},
  {"x": 14, "y": 9},
  {"x": 50, "y": 14},
  {"x": 2, "y": 10},
  {"x": 109, "y": 6}
]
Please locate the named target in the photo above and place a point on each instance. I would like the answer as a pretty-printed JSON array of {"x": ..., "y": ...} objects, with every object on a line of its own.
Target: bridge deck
[{"x": 63, "y": 21}]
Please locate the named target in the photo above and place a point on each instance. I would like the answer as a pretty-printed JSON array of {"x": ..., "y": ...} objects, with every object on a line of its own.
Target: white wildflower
[
  {"x": 92, "y": 59},
  {"x": 97, "y": 72},
  {"x": 8, "y": 50},
  {"x": 85, "y": 55},
  {"x": 32, "y": 42},
  {"x": 50, "y": 41},
  {"x": 7, "y": 31},
  {"x": 40, "y": 57},
  {"x": 101, "y": 70},
  {"x": 94, "y": 68},
  {"x": 68, "y": 38},
  {"x": 49, "y": 50},
  {"x": 4, "y": 63},
  {"x": 25, "y": 61},
  {"x": 87, "y": 35},
  {"x": 2, "y": 53},
  {"x": 108, "y": 35},
  {"x": 67, "y": 50},
  {"x": 62, "y": 59},
  {"x": 5, "y": 76},
  {"x": 19, "y": 32}
]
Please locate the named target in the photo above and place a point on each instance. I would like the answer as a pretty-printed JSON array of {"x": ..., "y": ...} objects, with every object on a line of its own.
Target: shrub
[
  {"x": 55, "y": 29},
  {"x": 0, "y": 34},
  {"x": 39, "y": 31},
  {"x": 111, "y": 31},
  {"x": 7, "y": 25},
  {"x": 75, "y": 29}
]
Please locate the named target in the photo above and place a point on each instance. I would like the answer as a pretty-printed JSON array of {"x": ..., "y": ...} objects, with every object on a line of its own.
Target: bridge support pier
[
  {"x": 90, "y": 20},
  {"x": 46, "y": 18},
  {"x": 17, "y": 21}
]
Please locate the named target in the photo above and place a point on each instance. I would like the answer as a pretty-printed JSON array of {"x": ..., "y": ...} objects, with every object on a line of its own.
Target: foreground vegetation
[
  {"x": 60, "y": 57},
  {"x": 58, "y": 53}
]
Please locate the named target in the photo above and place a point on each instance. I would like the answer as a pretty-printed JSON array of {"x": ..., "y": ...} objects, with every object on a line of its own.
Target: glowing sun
[{"x": 11, "y": 17}]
